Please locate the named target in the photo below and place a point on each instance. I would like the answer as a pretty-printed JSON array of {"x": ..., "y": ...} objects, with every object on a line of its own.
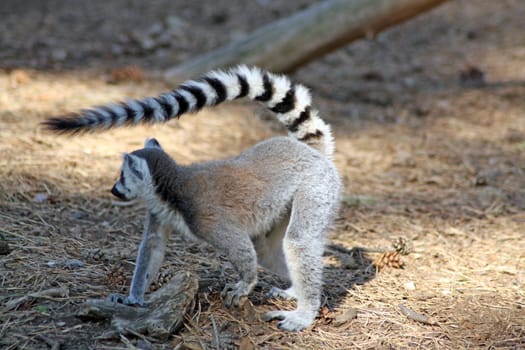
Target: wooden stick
[
  {"x": 411, "y": 314},
  {"x": 291, "y": 42},
  {"x": 48, "y": 293},
  {"x": 164, "y": 314}
]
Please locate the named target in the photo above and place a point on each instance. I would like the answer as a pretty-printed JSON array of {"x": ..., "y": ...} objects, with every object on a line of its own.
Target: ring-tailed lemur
[{"x": 271, "y": 205}]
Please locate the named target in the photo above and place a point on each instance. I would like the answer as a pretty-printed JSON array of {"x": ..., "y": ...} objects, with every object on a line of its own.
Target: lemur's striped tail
[{"x": 291, "y": 103}]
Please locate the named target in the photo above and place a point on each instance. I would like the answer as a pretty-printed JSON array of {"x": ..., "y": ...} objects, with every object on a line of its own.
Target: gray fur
[{"x": 270, "y": 205}]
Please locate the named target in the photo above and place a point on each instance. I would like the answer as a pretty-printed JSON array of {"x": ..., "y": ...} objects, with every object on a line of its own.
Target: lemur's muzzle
[{"x": 117, "y": 194}]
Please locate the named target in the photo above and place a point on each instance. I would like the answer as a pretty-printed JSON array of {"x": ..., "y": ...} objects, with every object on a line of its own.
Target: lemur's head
[{"x": 135, "y": 179}]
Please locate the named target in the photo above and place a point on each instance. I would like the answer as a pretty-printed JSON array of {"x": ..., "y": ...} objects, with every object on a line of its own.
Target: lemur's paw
[
  {"x": 287, "y": 294},
  {"x": 291, "y": 321},
  {"x": 234, "y": 293},
  {"x": 116, "y": 298}
]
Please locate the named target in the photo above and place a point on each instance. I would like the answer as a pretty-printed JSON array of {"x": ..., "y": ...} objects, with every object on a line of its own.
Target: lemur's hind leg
[
  {"x": 148, "y": 262},
  {"x": 270, "y": 255},
  {"x": 312, "y": 211},
  {"x": 269, "y": 248}
]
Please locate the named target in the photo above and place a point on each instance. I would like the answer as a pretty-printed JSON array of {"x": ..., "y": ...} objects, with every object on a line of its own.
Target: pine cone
[
  {"x": 389, "y": 259},
  {"x": 94, "y": 254},
  {"x": 117, "y": 276},
  {"x": 402, "y": 246},
  {"x": 163, "y": 277}
]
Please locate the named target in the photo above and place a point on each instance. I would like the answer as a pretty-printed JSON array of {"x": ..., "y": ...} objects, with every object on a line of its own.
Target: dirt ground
[{"x": 430, "y": 131}]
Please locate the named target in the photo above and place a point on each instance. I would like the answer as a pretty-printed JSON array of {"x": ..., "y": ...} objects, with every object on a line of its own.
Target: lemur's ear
[
  {"x": 152, "y": 143},
  {"x": 133, "y": 164}
]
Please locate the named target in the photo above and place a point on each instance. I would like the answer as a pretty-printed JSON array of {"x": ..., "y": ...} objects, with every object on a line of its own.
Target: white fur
[
  {"x": 302, "y": 100},
  {"x": 192, "y": 102},
  {"x": 230, "y": 81},
  {"x": 281, "y": 85},
  {"x": 137, "y": 108},
  {"x": 311, "y": 126},
  {"x": 151, "y": 143},
  {"x": 158, "y": 114},
  {"x": 107, "y": 118},
  {"x": 169, "y": 216},
  {"x": 118, "y": 110},
  {"x": 168, "y": 98},
  {"x": 209, "y": 92},
  {"x": 254, "y": 78}
]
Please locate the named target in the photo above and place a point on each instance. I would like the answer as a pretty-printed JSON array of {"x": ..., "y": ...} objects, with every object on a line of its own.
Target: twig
[
  {"x": 139, "y": 335},
  {"x": 411, "y": 314},
  {"x": 48, "y": 293},
  {"x": 215, "y": 332},
  {"x": 75, "y": 327},
  {"x": 4, "y": 327},
  {"x": 19, "y": 220},
  {"x": 344, "y": 250},
  {"x": 54, "y": 344},
  {"x": 191, "y": 329},
  {"x": 128, "y": 344},
  {"x": 44, "y": 221},
  {"x": 15, "y": 234}
]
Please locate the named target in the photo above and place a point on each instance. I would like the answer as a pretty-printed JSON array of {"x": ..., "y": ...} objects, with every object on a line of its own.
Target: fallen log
[
  {"x": 164, "y": 314},
  {"x": 288, "y": 43}
]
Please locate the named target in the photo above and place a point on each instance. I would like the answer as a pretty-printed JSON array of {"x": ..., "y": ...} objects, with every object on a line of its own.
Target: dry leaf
[
  {"x": 347, "y": 315},
  {"x": 246, "y": 344}
]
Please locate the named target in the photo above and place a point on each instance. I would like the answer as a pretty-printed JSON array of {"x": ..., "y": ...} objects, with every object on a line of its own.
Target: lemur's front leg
[
  {"x": 240, "y": 251},
  {"x": 149, "y": 258}
]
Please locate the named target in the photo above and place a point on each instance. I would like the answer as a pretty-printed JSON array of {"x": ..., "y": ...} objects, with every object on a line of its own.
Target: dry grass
[{"x": 436, "y": 163}]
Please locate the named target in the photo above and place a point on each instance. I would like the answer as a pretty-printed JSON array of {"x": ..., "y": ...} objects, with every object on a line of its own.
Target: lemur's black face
[{"x": 115, "y": 191}]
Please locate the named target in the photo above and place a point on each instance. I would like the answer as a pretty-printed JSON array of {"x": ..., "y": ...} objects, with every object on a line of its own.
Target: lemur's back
[
  {"x": 286, "y": 163},
  {"x": 258, "y": 185}
]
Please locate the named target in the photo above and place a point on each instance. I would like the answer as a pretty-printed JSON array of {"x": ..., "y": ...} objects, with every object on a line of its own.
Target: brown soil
[{"x": 430, "y": 132}]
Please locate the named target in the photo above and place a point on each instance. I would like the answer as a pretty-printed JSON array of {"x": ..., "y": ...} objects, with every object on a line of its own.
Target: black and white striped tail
[{"x": 291, "y": 103}]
